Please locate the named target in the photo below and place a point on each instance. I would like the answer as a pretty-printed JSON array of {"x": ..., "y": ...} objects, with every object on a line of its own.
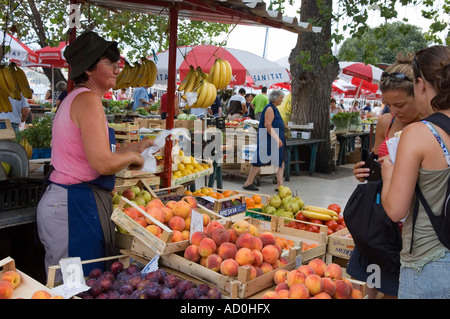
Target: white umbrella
[
  {"x": 243, "y": 63},
  {"x": 17, "y": 50}
]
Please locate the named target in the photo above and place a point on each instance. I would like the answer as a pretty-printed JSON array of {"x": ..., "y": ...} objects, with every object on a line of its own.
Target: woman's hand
[
  {"x": 137, "y": 163},
  {"x": 386, "y": 169},
  {"x": 360, "y": 173},
  {"x": 138, "y": 147}
]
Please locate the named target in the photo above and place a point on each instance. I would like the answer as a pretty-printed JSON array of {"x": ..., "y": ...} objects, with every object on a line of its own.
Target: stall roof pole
[
  {"x": 173, "y": 20},
  {"x": 72, "y": 37}
]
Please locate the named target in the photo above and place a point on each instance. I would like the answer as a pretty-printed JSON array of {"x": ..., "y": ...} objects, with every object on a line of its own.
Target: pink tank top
[
  {"x": 382, "y": 149},
  {"x": 68, "y": 156}
]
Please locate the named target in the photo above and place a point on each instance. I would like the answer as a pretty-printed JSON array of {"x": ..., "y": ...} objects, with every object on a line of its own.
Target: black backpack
[
  {"x": 375, "y": 235},
  {"x": 441, "y": 223}
]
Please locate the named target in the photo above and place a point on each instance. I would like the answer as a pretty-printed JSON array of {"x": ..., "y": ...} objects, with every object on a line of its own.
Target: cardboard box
[
  {"x": 263, "y": 170},
  {"x": 340, "y": 244}
]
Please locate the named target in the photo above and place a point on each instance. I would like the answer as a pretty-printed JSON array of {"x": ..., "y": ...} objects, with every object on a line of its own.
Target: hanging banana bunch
[
  {"x": 21, "y": 82},
  {"x": 220, "y": 74},
  {"x": 7, "y": 88},
  {"x": 137, "y": 75},
  {"x": 206, "y": 94}
]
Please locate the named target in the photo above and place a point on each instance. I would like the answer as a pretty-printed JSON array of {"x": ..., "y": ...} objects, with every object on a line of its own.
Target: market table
[
  {"x": 293, "y": 145},
  {"x": 344, "y": 139}
]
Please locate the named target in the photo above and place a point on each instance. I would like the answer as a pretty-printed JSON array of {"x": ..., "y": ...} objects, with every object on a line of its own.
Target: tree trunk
[{"x": 311, "y": 89}]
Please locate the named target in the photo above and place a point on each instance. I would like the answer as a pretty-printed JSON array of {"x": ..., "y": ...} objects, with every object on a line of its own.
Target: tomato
[
  {"x": 329, "y": 231},
  {"x": 300, "y": 216},
  {"x": 340, "y": 219},
  {"x": 316, "y": 221},
  {"x": 335, "y": 207},
  {"x": 312, "y": 228},
  {"x": 332, "y": 224}
]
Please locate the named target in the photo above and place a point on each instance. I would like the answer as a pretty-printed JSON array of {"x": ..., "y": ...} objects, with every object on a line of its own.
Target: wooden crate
[
  {"x": 127, "y": 132},
  {"x": 340, "y": 245},
  {"x": 7, "y": 133},
  {"x": 28, "y": 286},
  {"x": 235, "y": 287},
  {"x": 150, "y": 180},
  {"x": 191, "y": 177}
]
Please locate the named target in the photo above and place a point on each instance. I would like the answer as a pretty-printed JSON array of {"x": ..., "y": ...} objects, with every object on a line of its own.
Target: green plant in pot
[
  {"x": 341, "y": 122},
  {"x": 355, "y": 122},
  {"x": 38, "y": 134}
]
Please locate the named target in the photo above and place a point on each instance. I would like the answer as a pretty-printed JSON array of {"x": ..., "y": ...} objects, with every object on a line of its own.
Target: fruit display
[
  {"x": 315, "y": 280},
  {"x": 225, "y": 250},
  {"x": 197, "y": 81},
  {"x": 140, "y": 74},
  {"x": 320, "y": 216},
  {"x": 14, "y": 84},
  {"x": 131, "y": 283},
  {"x": 188, "y": 165},
  {"x": 283, "y": 204}
]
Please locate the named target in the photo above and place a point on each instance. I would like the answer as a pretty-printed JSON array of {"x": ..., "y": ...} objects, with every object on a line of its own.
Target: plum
[
  {"x": 153, "y": 291},
  {"x": 116, "y": 268},
  {"x": 171, "y": 281},
  {"x": 107, "y": 274},
  {"x": 183, "y": 286},
  {"x": 152, "y": 276},
  {"x": 214, "y": 293},
  {"x": 91, "y": 282},
  {"x": 169, "y": 293},
  {"x": 102, "y": 296},
  {"x": 142, "y": 284},
  {"x": 117, "y": 284},
  {"x": 126, "y": 289},
  {"x": 191, "y": 294},
  {"x": 203, "y": 289},
  {"x": 95, "y": 273},
  {"x": 96, "y": 289},
  {"x": 124, "y": 296},
  {"x": 105, "y": 283},
  {"x": 138, "y": 294},
  {"x": 133, "y": 268},
  {"x": 113, "y": 294},
  {"x": 134, "y": 281}
]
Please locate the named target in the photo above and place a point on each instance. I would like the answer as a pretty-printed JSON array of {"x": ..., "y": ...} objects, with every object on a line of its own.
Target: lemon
[
  {"x": 189, "y": 167},
  {"x": 181, "y": 167}
]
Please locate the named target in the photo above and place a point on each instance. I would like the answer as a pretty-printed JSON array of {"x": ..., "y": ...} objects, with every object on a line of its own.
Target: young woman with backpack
[{"x": 422, "y": 159}]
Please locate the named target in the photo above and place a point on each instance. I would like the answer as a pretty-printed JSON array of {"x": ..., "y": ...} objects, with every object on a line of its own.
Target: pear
[
  {"x": 300, "y": 202},
  {"x": 264, "y": 208},
  {"x": 294, "y": 206},
  {"x": 116, "y": 199},
  {"x": 287, "y": 214},
  {"x": 271, "y": 210},
  {"x": 285, "y": 200},
  {"x": 284, "y": 191},
  {"x": 279, "y": 212},
  {"x": 275, "y": 201}
]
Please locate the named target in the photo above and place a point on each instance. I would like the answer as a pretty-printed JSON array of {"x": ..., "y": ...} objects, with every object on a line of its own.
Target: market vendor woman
[
  {"x": 73, "y": 216},
  {"x": 271, "y": 144}
]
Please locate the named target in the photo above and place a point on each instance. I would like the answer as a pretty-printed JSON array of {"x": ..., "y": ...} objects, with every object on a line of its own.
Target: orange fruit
[
  {"x": 227, "y": 193},
  {"x": 220, "y": 195},
  {"x": 212, "y": 194},
  {"x": 257, "y": 199},
  {"x": 187, "y": 193},
  {"x": 250, "y": 202}
]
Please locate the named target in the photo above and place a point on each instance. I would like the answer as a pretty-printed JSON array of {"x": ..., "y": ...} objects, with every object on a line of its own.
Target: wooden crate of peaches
[{"x": 315, "y": 280}]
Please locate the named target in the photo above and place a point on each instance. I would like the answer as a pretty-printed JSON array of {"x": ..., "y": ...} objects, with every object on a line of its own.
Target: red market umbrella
[
  {"x": 18, "y": 52},
  {"x": 366, "y": 72},
  {"x": 243, "y": 64}
]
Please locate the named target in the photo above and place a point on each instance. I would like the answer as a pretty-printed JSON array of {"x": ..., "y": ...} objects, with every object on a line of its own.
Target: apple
[{"x": 145, "y": 195}]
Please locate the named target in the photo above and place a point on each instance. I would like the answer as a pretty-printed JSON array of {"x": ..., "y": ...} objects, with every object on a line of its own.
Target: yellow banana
[
  {"x": 321, "y": 210},
  {"x": 138, "y": 75},
  {"x": 213, "y": 94},
  {"x": 153, "y": 73},
  {"x": 229, "y": 72},
  {"x": 209, "y": 94},
  {"x": 223, "y": 74},
  {"x": 314, "y": 215},
  {"x": 4, "y": 86},
  {"x": 201, "y": 94},
  {"x": 21, "y": 79},
  {"x": 16, "y": 92},
  {"x": 216, "y": 75},
  {"x": 144, "y": 73},
  {"x": 134, "y": 71},
  {"x": 120, "y": 80},
  {"x": 211, "y": 72},
  {"x": 9, "y": 79},
  {"x": 186, "y": 79},
  {"x": 5, "y": 103},
  {"x": 191, "y": 83}
]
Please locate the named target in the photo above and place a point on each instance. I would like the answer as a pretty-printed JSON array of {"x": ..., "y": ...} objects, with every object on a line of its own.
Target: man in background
[
  {"x": 19, "y": 113},
  {"x": 260, "y": 101}
]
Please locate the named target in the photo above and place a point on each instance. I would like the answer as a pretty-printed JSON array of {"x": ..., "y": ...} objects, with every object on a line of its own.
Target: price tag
[
  {"x": 209, "y": 199},
  {"x": 73, "y": 278},
  {"x": 151, "y": 266},
  {"x": 196, "y": 222}
]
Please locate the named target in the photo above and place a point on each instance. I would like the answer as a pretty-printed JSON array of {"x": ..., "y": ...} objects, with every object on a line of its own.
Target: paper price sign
[
  {"x": 196, "y": 222},
  {"x": 151, "y": 266}
]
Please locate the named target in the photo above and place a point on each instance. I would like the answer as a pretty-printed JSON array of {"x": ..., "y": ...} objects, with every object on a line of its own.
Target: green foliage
[{"x": 39, "y": 134}]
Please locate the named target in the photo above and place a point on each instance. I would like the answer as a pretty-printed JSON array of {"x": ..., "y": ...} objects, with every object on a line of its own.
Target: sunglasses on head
[{"x": 396, "y": 77}]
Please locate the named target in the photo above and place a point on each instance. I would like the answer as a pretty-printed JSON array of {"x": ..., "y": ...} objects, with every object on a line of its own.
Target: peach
[
  {"x": 329, "y": 286},
  {"x": 314, "y": 284},
  {"x": 266, "y": 267},
  {"x": 6, "y": 289},
  {"x": 295, "y": 277},
  {"x": 131, "y": 212},
  {"x": 356, "y": 294},
  {"x": 187, "y": 223},
  {"x": 253, "y": 273},
  {"x": 168, "y": 214},
  {"x": 298, "y": 291},
  {"x": 259, "y": 271},
  {"x": 283, "y": 293},
  {"x": 280, "y": 276},
  {"x": 206, "y": 219},
  {"x": 197, "y": 237},
  {"x": 11, "y": 276},
  {"x": 220, "y": 236},
  {"x": 56, "y": 297},
  {"x": 156, "y": 213},
  {"x": 141, "y": 221},
  {"x": 213, "y": 262},
  {"x": 270, "y": 295},
  {"x": 281, "y": 286},
  {"x": 307, "y": 270},
  {"x": 283, "y": 261},
  {"x": 318, "y": 266},
  {"x": 155, "y": 202},
  {"x": 202, "y": 261},
  {"x": 258, "y": 244},
  {"x": 245, "y": 240},
  {"x": 233, "y": 235},
  {"x": 177, "y": 236},
  {"x": 227, "y": 250},
  {"x": 253, "y": 230},
  {"x": 244, "y": 256},
  {"x": 257, "y": 258},
  {"x": 212, "y": 226},
  {"x": 170, "y": 204},
  {"x": 41, "y": 294},
  {"x": 207, "y": 247},
  {"x": 229, "y": 267},
  {"x": 276, "y": 264},
  {"x": 267, "y": 238},
  {"x": 270, "y": 253},
  {"x": 181, "y": 209},
  {"x": 321, "y": 295},
  {"x": 241, "y": 227},
  {"x": 190, "y": 200},
  {"x": 176, "y": 223},
  {"x": 186, "y": 234},
  {"x": 343, "y": 290},
  {"x": 191, "y": 253},
  {"x": 333, "y": 271}
]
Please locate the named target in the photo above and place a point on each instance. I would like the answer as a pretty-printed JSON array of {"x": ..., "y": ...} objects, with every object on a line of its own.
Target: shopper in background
[
  {"x": 62, "y": 88},
  {"x": 19, "y": 113},
  {"x": 163, "y": 106},
  {"x": 236, "y": 105},
  {"x": 140, "y": 98},
  {"x": 422, "y": 159},
  {"x": 73, "y": 215},
  {"x": 270, "y": 131},
  {"x": 250, "y": 107},
  {"x": 260, "y": 101}
]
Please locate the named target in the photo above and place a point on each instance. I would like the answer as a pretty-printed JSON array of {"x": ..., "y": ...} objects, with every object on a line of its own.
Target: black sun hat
[{"x": 83, "y": 52}]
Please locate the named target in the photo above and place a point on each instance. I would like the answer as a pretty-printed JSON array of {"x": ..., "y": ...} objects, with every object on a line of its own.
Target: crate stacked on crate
[
  {"x": 16, "y": 193},
  {"x": 227, "y": 203},
  {"x": 125, "y": 133}
]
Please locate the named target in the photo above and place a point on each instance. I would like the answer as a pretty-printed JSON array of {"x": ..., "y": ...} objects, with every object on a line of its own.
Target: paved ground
[{"x": 317, "y": 189}]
